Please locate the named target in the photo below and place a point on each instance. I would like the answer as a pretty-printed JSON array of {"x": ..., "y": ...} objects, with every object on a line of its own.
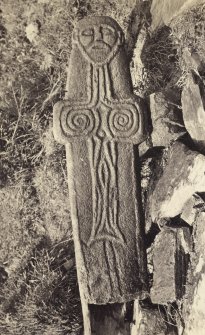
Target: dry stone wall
[{"x": 35, "y": 254}]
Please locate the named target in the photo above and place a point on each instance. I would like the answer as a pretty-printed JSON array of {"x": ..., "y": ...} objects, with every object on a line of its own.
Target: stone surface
[
  {"x": 151, "y": 171},
  {"x": 99, "y": 122},
  {"x": 148, "y": 322},
  {"x": 163, "y": 11},
  {"x": 151, "y": 320},
  {"x": 109, "y": 319},
  {"x": 137, "y": 67},
  {"x": 183, "y": 176},
  {"x": 69, "y": 264},
  {"x": 194, "y": 302},
  {"x": 193, "y": 102},
  {"x": 171, "y": 248},
  {"x": 191, "y": 209},
  {"x": 3, "y": 275},
  {"x": 193, "y": 61},
  {"x": 167, "y": 120}
]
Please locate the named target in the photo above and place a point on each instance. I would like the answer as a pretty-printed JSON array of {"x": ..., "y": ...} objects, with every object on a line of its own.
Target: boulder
[
  {"x": 151, "y": 320},
  {"x": 3, "y": 275},
  {"x": 191, "y": 209},
  {"x": 170, "y": 258},
  {"x": 194, "y": 302},
  {"x": 183, "y": 175},
  {"x": 167, "y": 120},
  {"x": 193, "y": 103},
  {"x": 163, "y": 11},
  {"x": 193, "y": 60}
]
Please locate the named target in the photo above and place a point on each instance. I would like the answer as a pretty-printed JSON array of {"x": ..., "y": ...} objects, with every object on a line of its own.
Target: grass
[
  {"x": 159, "y": 58},
  {"x": 188, "y": 32},
  {"x": 40, "y": 296},
  {"x": 44, "y": 295}
]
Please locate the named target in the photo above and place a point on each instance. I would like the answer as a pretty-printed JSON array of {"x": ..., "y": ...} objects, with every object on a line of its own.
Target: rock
[
  {"x": 152, "y": 168},
  {"x": 191, "y": 209},
  {"x": 193, "y": 60},
  {"x": 32, "y": 32},
  {"x": 193, "y": 102},
  {"x": 163, "y": 11},
  {"x": 194, "y": 302},
  {"x": 167, "y": 121},
  {"x": 137, "y": 67},
  {"x": 195, "y": 321},
  {"x": 67, "y": 265},
  {"x": 183, "y": 176},
  {"x": 144, "y": 147},
  {"x": 150, "y": 320},
  {"x": 171, "y": 248},
  {"x": 3, "y": 275},
  {"x": 108, "y": 319}
]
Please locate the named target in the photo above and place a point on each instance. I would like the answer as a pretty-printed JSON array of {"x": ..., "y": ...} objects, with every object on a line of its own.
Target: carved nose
[{"x": 98, "y": 35}]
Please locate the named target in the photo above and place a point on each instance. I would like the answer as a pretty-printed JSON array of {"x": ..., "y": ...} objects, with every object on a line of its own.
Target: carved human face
[{"x": 98, "y": 41}]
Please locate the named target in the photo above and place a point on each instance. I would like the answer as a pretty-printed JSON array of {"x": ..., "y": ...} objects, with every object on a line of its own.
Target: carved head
[{"x": 98, "y": 38}]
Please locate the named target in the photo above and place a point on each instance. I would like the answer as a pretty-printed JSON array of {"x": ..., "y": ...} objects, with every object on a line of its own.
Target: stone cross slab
[{"x": 99, "y": 122}]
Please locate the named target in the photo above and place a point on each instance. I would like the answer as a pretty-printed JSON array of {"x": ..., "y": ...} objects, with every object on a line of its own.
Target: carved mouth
[
  {"x": 98, "y": 48},
  {"x": 98, "y": 51}
]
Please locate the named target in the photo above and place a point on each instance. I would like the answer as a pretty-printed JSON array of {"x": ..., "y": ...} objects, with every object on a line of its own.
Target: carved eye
[
  {"x": 88, "y": 32},
  {"x": 107, "y": 32}
]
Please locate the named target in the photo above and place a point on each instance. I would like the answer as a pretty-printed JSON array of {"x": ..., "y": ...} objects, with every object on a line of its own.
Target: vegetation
[
  {"x": 38, "y": 284},
  {"x": 40, "y": 295},
  {"x": 159, "y": 57},
  {"x": 188, "y": 32}
]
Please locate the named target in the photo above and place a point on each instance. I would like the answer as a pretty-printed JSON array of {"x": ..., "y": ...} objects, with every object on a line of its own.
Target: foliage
[
  {"x": 160, "y": 60},
  {"x": 188, "y": 33}
]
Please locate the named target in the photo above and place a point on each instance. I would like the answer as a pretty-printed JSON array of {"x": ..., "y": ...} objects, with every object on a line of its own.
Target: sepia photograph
[{"x": 102, "y": 167}]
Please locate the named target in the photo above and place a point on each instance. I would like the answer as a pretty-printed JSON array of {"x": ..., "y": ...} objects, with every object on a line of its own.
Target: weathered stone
[
  {"x": 67, "y": 265},
  {"x": 109, "y": 319},
  {"x": 32, "y": 32},
  {"x": 170, "y": 252},
  {"x": 193, "y": 102},
  {"x": 193, "y": 61},
  {"x": 183, "y": 176},
  {"x": 148, "y": 322},
  {"x": 137, "y": 67},
  {"x": 151, "y": 320},
  {"x": 194, "y": 302},
  {"x": 191, "y": 209},
  {"x": 163, "y": 11},
  {"x": 99, "y": 122},
  {"x": 151, "y": 171},
  {"x": 167, "y": 121},
  {"x": 3, "y": 275}
]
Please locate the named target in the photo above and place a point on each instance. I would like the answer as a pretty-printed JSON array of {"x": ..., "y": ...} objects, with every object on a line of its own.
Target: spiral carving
[
  {"x": 77, "y": 122},
  {"x": 123, "y": 121}
]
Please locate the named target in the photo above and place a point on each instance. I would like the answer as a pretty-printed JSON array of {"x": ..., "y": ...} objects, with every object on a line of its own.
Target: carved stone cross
[{"x": 99, "y": 122}]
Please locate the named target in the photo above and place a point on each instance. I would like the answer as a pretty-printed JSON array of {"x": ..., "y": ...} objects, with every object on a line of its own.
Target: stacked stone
[{"x": 175, "y": 203}]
